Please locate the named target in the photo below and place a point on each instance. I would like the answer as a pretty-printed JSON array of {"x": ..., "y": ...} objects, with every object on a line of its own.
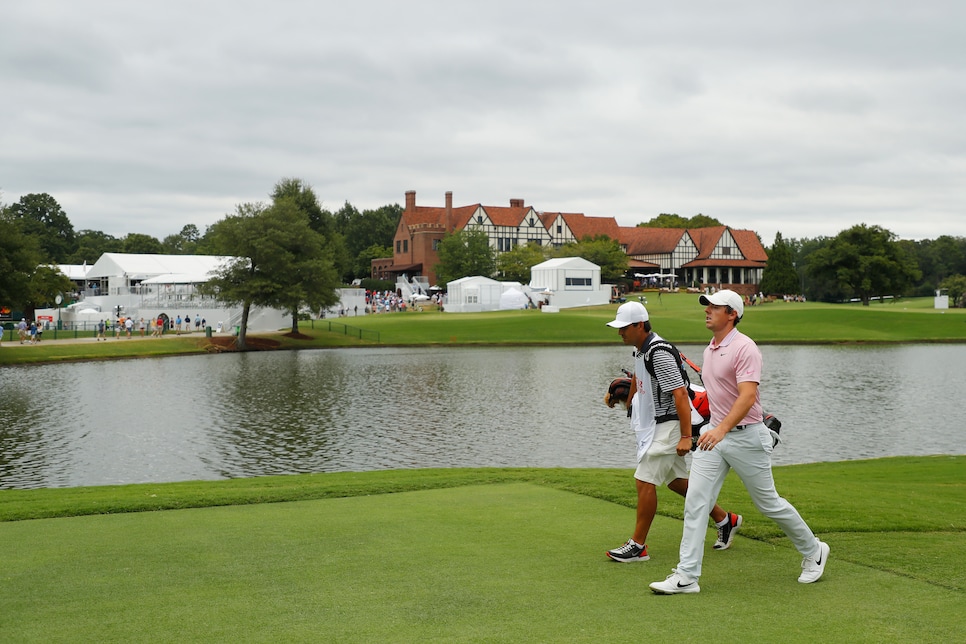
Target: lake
[{"x": 241, "y": 415}]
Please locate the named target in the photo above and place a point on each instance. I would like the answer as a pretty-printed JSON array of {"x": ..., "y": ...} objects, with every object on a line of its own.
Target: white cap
[
  {"x": 629, "y": 313},
  {"x": 725, "y": 297}
]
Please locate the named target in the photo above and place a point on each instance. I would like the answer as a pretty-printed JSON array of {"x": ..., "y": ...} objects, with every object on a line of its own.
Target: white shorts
[{"x": 659, "y": 469}]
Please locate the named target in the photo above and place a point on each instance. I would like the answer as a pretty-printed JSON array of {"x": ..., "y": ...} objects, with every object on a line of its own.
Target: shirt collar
[{"x": 726, "y": 341}]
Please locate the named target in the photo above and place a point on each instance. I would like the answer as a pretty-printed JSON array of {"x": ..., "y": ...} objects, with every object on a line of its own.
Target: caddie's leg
[{"x": 646, "y": 508}]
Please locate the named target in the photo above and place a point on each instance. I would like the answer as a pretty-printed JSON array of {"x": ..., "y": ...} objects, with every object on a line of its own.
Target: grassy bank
[
  {"x": 477, "y": 555},
  {"x": 676, "y": 316}
]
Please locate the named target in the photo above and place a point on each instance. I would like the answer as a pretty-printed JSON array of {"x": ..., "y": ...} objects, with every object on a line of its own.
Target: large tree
[
  {"x": 780, "y": 276},
  {"x": 303, "y": 196},
  {"x": 465, "y": 253},
  {"x": 955, "y": 286},
  {"x": 865, "y": 261},
  {"x": 365, "y": 230},
  {"x": 669, "y": 220},
  {"x": 19, "y": 256},
  {"x": 46, "y": 283},
  {"x": 141, "y": 244},
  {"x": 42, "y": 217},
  {"x": 278, "y": 261},
  {"x": 600, "y": 250},
  {"x": 515, "y": 264},
  {"x": 91, "y": 244},
  {"x": 183, "y": 243}
]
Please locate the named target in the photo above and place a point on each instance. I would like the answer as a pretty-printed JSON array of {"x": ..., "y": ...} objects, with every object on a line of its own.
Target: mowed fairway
[{"x": 506, "y": 562}]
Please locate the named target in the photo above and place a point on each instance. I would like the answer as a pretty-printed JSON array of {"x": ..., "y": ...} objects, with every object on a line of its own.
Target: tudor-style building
[{"x": 718, "y": 256}]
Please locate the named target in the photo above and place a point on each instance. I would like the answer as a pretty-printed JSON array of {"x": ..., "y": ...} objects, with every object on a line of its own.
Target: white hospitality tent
[
  {"x": 569, "y": 282},
  {"x": 116, "y": 273},
  {"x": 151, "y": 285},
  {"x": 473, "y": 295}
]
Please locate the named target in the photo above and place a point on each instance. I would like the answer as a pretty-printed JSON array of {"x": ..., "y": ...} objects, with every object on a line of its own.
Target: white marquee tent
[{"x": 570, "y": 282}]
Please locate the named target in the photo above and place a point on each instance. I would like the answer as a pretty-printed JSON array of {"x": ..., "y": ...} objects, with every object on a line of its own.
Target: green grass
[
  {"x": 510, "y": 555},
  {"x": 675, "y": 316}
]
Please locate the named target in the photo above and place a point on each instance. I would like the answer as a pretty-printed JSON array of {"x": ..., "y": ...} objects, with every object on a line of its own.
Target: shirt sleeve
[{"x": 748, "y": 363}]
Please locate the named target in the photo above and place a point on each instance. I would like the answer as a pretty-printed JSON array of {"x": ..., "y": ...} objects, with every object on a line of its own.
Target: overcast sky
[{"x": 803, "y": 118}]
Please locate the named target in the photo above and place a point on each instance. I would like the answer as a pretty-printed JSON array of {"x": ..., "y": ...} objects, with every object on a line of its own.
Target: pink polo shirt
[{"x": 736, "y": 359}]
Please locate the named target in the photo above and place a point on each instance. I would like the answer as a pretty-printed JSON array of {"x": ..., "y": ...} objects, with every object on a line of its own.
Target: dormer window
[
  {"x": 531, "y": 222},
  {"x": 479, "y": 219}
]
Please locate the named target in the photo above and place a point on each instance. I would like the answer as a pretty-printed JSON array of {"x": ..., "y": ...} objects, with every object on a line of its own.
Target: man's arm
[{"x": 682, "y": 403}]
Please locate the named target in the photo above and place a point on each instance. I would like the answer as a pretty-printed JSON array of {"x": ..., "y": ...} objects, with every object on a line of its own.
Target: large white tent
[
  {"x": 473, "y": 295},
  {"x": 148, "y": 286},
  {"x": 568, "y": 282}
]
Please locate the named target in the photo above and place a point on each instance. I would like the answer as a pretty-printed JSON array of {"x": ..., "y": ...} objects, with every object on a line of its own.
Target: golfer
[
  {"x": 661, "y": 420},
  {"x": 735, "y": 438}
]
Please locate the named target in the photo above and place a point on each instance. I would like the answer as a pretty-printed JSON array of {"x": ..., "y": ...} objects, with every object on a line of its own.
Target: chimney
[
  {"x": 448, "y": 222},
  {"x": 410, "y": 200},
  {"x": 516, "y": 203}
]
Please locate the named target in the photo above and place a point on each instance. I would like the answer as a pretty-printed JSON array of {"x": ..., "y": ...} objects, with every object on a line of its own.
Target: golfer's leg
[
  {"x": 752, "y": 464},
  {"x": 708, "y": 472}
]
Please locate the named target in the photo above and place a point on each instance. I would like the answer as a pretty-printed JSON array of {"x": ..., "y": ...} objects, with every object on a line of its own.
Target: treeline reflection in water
[{"x": 240, "y": 415}]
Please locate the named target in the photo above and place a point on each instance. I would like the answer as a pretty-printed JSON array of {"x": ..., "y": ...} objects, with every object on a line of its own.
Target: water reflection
[{"x": 210, "y": 417}]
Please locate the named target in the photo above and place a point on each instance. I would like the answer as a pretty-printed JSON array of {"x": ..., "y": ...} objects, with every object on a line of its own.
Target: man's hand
[{"x": 711, "y": 438}]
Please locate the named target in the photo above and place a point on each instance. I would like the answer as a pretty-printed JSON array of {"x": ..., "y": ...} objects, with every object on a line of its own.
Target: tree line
[
  {"x": 292, "y": 253},
  {"x": 865, "y": 262}
]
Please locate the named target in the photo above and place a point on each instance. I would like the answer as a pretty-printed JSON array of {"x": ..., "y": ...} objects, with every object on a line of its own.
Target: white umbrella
[{"x": 418, "y": 297}]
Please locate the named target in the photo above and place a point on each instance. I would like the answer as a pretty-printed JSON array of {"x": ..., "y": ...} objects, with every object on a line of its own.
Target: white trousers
[{"x": 748, "y": 452}]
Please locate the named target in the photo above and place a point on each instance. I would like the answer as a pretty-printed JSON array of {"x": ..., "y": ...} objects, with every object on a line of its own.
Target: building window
[
  {"x": 479, "y": 219},
  {"x": 436, "y": 245},
  {"x": 405, "y": 245},
  {"x": 726, "y": 250},
  {"x": 579, "y": 281},
  {"x": 559, "y": 229},
  {"x": 398, "y": 246}
]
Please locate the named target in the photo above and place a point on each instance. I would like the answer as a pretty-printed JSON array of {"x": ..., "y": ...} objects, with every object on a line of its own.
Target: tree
[
  {"x": 464, "y": 253},
  {"x": 91, "y": 244},
  {"x": 779, "y": 276},
  {"x": 703, "y": 221},
  {"x": 865, "y": 261},
  {"x": 320, "y": 220},
  {"x": 600, "y": 250},
  {"x": 366, "y": 255},
  {"x": 665, "y": 220},
  {"x": 137, "y": 243},
  {"x": 366, "y": 230},
  {"x": 46, "y": 283},
  {"x": 19, "y": 255},
  {"x": 184, "y": 243},
  {"x": 515, "y": 264},
  {"x": 955, "y": 286},
  {"x": 278, "y": 261},
  {"x": 42, "y": 217}
]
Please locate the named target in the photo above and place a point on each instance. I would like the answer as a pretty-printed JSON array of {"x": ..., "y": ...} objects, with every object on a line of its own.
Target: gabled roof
[
  {"x": 706, "y": 239},
  {"x": 649, "y": 241},
  {"x": 459, "y": 217},
  {"x": 142, "y": 266},
  {"x": 583, "y": 226},
  {"x": 506, "y": 215},
  {"x": 749, "y": 245},
  {"x": 566, "y": 262}
]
